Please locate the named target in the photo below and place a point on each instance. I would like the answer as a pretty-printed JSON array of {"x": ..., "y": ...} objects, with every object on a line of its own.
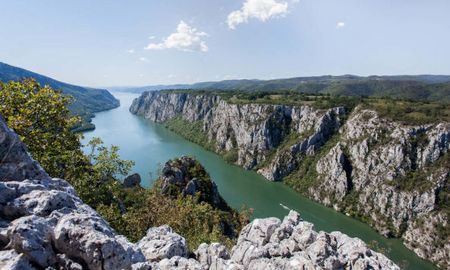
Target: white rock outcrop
[{"x": 161, "y": 243}]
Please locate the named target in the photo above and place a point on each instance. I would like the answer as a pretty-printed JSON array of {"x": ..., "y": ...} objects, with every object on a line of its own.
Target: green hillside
[{"x": 413, "y": 87}]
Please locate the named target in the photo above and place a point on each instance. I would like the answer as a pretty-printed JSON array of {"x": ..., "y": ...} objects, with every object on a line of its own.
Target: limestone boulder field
[
  {"x": 45, "y": 225},
  {"x": 294, "y": 244}
]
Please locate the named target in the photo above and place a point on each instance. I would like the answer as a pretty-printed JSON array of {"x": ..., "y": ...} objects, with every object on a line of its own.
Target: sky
[{"x": 147, "y": 42}]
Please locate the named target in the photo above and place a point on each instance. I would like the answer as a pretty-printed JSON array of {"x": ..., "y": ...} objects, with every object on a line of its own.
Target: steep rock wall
[
  {"x": 256, "y": 131},
  {"x": 398, "y": 180}
]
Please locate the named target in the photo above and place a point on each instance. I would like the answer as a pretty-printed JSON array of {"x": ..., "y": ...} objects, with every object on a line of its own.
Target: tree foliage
[
  {"x": 197, "y": 221},
  {"x": 107, "y": 161},
  {"x": 41, "y": 118}
]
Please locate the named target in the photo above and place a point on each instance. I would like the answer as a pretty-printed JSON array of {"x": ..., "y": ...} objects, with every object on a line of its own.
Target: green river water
[{"x": 150, "y": 145}]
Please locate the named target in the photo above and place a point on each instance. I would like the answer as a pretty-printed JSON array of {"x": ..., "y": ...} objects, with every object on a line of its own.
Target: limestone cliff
[
  {"x": 391, "y": 175},
  {"x": 256, "y": 131},
  {"x": 45, "y": 225}
]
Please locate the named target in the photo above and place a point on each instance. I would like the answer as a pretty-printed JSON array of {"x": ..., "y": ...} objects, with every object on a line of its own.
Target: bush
[
  {"x": 197, "y": 222},
  {"x": 231, "y": 156},
  {"x": 192, "y": 131}
]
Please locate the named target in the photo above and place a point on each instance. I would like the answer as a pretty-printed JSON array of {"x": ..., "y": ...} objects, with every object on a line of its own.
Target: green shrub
[
  {"x": 197, "y": 222},
  {"x": 231, "y": 156},
  {"x": 192, "y": 131}
]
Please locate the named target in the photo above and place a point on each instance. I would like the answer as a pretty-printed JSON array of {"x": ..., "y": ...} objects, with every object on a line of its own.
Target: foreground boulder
[
  {"x": 294, "y": 244},
  {"x": 16, "y": 163},
  {"x": 161, "y": 243},
  {"x": 45, "y": 225}
]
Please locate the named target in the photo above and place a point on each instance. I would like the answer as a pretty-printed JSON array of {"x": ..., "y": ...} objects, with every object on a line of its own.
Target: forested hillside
[{"x": 418, "y": 87}]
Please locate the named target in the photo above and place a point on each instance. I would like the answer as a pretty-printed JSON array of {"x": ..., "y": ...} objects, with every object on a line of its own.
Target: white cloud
[
  {"x": 130, "y": 51},
  {"x": 258, "y": 9},
  {"x": 186, "y": 38},
  {"x": 340, "y": 25},
  {"x": 151, "y": 37},
  {"x": 143, "y": 59}
]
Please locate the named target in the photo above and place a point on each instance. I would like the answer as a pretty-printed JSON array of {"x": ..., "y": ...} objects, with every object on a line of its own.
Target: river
[{"x": 150, "y": 145}]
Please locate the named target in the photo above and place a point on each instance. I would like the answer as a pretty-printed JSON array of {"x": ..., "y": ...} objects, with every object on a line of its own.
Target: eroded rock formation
[{"x": 178, "y": 178}]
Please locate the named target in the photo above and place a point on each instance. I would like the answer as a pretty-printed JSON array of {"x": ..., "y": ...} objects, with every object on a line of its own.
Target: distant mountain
[
  {"x": 416, "y": 87},
  {"x": 86, "y": 100},
  {"x": 141, "y": 89}
]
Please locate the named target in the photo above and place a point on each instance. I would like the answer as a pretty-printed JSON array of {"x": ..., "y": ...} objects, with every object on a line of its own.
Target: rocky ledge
[
  {"x": 177, "y": 178},
  {"x": 45, "y": 225}
]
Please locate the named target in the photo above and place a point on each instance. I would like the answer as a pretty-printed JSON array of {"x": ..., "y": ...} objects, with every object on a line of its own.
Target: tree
[
  {"x": 106, "y": 161},
  {"x": 39, "y": 115}
]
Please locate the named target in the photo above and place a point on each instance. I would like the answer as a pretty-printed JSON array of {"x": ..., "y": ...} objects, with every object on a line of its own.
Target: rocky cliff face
[
  {"x": 394, "y": 177},
  {"x": 177, "y": 178},
  {"x": 256, "y": 131},
  {"x": 44, "y": 225},
  {"x": 397, "y": 177}
]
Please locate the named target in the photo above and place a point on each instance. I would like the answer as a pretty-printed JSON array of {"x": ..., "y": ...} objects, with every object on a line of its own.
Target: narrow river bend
[{"x": 150, "y": 145}]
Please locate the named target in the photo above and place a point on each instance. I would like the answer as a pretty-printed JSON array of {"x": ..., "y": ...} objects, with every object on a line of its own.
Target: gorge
[
  {"x": 363, "y": 164},
  {"x": 225, "y": 135},
  {"x": 45, "y": 225},
  {"x": 150, "y": 144}
]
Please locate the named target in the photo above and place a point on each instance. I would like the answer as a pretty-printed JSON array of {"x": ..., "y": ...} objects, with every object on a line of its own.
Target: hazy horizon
[{"x": 250, "y": 79}]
